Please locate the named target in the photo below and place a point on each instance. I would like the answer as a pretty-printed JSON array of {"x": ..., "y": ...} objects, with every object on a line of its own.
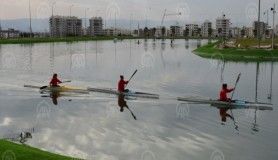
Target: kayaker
[
  {"x": 55, "y": 81},
  {"x": 121, "y": 84},
  {"x": 223, "y": 93}
]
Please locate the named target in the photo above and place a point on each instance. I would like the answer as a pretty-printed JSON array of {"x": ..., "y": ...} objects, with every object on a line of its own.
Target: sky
[{"x": 241, "y": 12}]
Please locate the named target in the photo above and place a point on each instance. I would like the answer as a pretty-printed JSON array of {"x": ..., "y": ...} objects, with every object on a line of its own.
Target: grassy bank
[
  {"x": 72, "y": 39},
  {"x": 249, "y": 42},
  {"x": 63, "y": 39},
  {"x": 234, "y": 54},
  {"x": 12, "y": 151}
]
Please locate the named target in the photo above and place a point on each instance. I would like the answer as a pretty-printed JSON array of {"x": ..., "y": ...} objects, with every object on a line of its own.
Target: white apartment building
[
  {"x": 96, "y": 26},
  {"x": 192, "y": 29},
  {"x": 260, "y": 29},
  {"x": 235, "y": 32},
  {"x": 65, "y": 26},
  {"x": 249, "y": 32},
  {"x": 206, "y": 28},
  {"x": 9, "y": 33},
  {"x": 175, "y": 31},
  {"x": 223, "y": 26}
]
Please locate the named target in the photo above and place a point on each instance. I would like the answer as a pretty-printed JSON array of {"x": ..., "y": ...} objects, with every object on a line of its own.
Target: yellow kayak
[{"x": 60, "y": 89}]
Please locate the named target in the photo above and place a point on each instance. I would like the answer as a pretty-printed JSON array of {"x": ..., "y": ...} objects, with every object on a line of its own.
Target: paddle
[
  {"x": 43, "y": 87},
  {"x": 132, "y": 76},
  {"x": 132, "y": 113},
  {"x": 237, "y": 80}
]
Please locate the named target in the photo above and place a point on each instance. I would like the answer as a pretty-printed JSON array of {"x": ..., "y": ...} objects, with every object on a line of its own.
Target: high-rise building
[
  {"x": 65, "y": 26},
  {"x": 206, "y": 29},
  {"x": 96, "y": 26},
  {"x": 191, "y": 29},
  {"x": 223, "y": 26},
  {"x": 175, "y": 31},
  {"x": 259, "y": 29},
  {"x": 249, "y": 32},
  {"x": 235, "y": 32},
  {"x": 9, "y": 33}
]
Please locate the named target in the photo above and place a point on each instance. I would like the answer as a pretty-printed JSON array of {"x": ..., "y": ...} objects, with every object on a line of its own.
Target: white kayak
[
  {"x": 129, "y": 93},
  {"x": 237, "y": 104}
]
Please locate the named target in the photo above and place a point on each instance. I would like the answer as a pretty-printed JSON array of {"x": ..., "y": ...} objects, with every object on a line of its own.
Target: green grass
[
  {"x": 64, "y": 39},
  {"x": 234, "y": 54},
  {"x": 249, "y": 42},
  {"x": 13, "y": 151}
]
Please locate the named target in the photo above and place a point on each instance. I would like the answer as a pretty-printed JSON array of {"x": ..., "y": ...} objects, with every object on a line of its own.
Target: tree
[
  {"x": 199, "y": 32},
  {"x": 146, "y": 32},
  {"x": 242, "y": 32},
  {"x": 186, "y": 33},
  {"x": 153, "y": 31},
  {"x": 173, "y": 31},
  {"x": 210, "y": 32},
  {"x": 220, "y": 32},
  {"x": 163, "y": 31}
]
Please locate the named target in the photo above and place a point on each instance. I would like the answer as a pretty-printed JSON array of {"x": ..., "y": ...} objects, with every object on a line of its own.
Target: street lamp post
[
  {"x": 30, "y": 19},
  {"x": 52, "y": 16},
  {"x": 274, "y": 12},
  {"x": 259, "y": 24},
  {"x": 86, "y": 20},
  {"x": 70, "y": 9},
  {"x": 52, "y": 8}
]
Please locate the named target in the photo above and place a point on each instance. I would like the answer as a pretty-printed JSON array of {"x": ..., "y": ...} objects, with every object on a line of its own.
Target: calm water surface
[{"x": 92, "y": 126}]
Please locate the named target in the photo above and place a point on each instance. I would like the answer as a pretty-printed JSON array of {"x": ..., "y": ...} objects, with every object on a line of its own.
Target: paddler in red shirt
[
  {"x": 223, "y": 93},
  {"x": 223, "y": 97},
  {"x": 121, "y": 84},
  {"x": 55, "y": 81}
]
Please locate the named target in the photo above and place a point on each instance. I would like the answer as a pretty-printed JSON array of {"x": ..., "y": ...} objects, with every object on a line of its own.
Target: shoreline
[
  {"x": 235, "y": 54},
  {"x": 75, "y": 39},
  {"x": 11, "y": 150}
]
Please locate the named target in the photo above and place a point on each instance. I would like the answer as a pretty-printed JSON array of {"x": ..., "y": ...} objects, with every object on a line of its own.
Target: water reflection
[
  {"x": 271, "y": 82},
  {"x": 123, "y": 104},
  {"x": 173, "y": 72},
  {"x": 186, "y": 44},
  {"x": 21, "y": 137}
]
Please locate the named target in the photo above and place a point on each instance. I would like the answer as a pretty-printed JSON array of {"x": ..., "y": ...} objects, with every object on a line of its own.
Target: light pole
[
  {"x": 30, "y": 19},
  {"x": 70, "y": 9},
  {"x": 274, "y": 12},
  {"x": 86, "y": 20},
  {"x": 259, "y": 24},
  {"x": 267, "y": 17},
  {"x": 52, "y": 16},
  {"x": 52, "y": 8}
]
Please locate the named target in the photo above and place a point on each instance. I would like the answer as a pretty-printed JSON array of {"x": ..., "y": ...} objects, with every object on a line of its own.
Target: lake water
[{"x": 92, "y": 126}]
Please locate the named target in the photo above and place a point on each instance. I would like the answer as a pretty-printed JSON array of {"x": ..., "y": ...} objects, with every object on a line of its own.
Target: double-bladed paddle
[
  {"x": 132, "y": 76},
  {"x": 43, "y": 87},
  {"x": 237, "y": 80},
  {"x": 132, "y": 113}
]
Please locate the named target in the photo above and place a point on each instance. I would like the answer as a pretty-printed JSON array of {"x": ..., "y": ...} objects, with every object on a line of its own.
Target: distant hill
[{"x": 42, "y": 25}]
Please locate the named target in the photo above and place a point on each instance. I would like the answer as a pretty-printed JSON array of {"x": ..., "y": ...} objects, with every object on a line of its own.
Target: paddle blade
[
  {"x": 43, "y": 87},
  {"x": 133, "y": 74},
  {"x": 238, "y": 77},
  {"x": 66, "y": 81}
]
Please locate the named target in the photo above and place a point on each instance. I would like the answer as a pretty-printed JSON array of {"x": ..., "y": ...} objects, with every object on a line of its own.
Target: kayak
[
  {"x": 59, "y": 89},
  {"x": 237, "y": 104},
  {"x": 129, "y": 93}
]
